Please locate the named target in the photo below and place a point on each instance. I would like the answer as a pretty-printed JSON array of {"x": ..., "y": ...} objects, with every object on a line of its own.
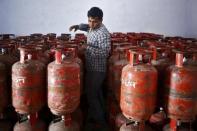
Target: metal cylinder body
[
  {"x": 28, "y": 85},
  {"x": 138, "y": 90},
  {"x": 63, "y": 86}
]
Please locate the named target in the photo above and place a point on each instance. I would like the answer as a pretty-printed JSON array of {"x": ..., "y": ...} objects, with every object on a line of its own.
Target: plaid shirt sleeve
[
  {"x": 84, "y": 27},
  {"x": 103, "y": 46}
]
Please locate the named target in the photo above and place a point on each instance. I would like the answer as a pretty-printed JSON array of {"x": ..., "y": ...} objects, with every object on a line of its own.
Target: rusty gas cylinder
[
  {"x": 80, "y": 36},
  {"x": 160, "y": 61},
  {"x": 134, "y": 127},
  {"x": 116, "y": 62},
  {"x": 27, "y": 126},
  {"x": 138, "y": 89},
  {"x": 36, "y": 36},
  {"x": 28, "y": 84},
  {"x": 8, "y": 36},
  {"x": 7, "y": 57},
  {"x": 36, "y": 51},
  {"x": 65, "y": 37},
  {"x": 120, "y": 120},
  {"x": 51, "y": 36},
  {"x": 113, "y": 57},
  {"x": 63, "y": 84},
  {"x": 179, "y": 127},
  {"x": 3, "y": 88},
  {"x": 158, "y": 117},
  {"x": 113, "y": 109},
  {"x": 64, "y": 124},
  {"x": 41, "y": 56},
  {"x": 193, "y": 60},
  {"x": 181, "y": 89},
  {"x": 77, "y": 116},
  {"x": 74, "y": 47},
  {"x": 117, "y": 70}
]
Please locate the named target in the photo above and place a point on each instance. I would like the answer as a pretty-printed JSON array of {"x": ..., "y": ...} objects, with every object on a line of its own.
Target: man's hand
[
  {"x": 82, "y": 48},
  {"x": 74, "y": 27}
]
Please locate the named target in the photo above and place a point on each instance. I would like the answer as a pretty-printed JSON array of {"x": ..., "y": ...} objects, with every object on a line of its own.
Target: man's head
[{"x": 95, "y": 17}]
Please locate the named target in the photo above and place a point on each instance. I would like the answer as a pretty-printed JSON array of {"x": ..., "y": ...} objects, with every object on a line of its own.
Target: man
[{"x": 96, "y": 54}]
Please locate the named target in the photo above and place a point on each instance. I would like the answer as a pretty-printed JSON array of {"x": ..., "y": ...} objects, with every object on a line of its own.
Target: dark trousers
[{"x": 95, "y": 99}]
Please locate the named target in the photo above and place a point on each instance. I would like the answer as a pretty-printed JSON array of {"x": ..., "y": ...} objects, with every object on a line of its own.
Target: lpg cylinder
[
  {"x": 28, "y": 84},
  {"x": 134, "y": 127},
  {"x": 160, "y": 61},
  {"x": 179, "y": 126},
  {"x": 64, "y": 125},
  {"x": 7, "y": 58},
  {"x": 113, "y": 57},
  {"x": 138, "y": 89},
  {"x": 120, "y": 120},
  {"x": 181, "y": 89},
  {"x": 3, "y": 88},
  {"x": 117, "y": 70},
  {"x": 74, "y": 47},
  {"x": 63, "y": 84},
  {"x": 113, "y": 108},
  {"x": 77, "y": 116},
  {"x": 27, "y": 126},
  {"x": 193, "y": 60},
  {"x": 65, "y": 37}
]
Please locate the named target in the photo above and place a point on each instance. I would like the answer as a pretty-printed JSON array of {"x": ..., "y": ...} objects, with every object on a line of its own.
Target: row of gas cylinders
[
  {"x": 29, "y": 93},
  {"x": 145, "y": 78},
  {"x": 29, "y": 78},
  {"x": 138, "y": 83},
  {"x": 72, "y": 122}
]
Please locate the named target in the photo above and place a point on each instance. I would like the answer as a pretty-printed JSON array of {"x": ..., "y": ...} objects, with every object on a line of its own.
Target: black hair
[{"x": 95, "y": 12}]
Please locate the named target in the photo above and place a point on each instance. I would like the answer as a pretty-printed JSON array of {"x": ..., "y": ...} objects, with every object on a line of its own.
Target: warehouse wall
[
  {"x": 169, "y": 17},
  {"x": 192, "y": 18}
]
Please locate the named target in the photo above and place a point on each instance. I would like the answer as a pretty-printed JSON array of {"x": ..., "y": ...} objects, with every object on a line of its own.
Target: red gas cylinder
[
  {"x": 74, "y": 48},
  {"x": 179, "y": 127},
  {"x": 134, "y": 127},
  {"x": 118, "y": 53},
  {"x": 65, "y": 37},
  {"x": 8, "y": 36},
  {"x": 113, "y": 109},
  {"x": 63, "y": 84},
  {"x": 181, "y": 89},
  {"x": 117, "y": 71},
  {"x": 77, "y": 116},
  {"x": 193, "y": 59},
  {"x": 120, "y": 120},
  {"x": 64, "y": 125},
  {"x": 160, "y": 61},
  {"x": 51, "y": 36},
  {"x": 111, "y": 60},
  {"x": 3, "y": 88},
  {"x": 36, "y": 51},
  {"x": 80, "y": 36},
  {"x": 158, "y": 119},
  {"x": 7, "y": 57},
  {"x": 138, "y": 89},
  {"x": 28, "y": 84},
  {"x": 26, "y": 126}
]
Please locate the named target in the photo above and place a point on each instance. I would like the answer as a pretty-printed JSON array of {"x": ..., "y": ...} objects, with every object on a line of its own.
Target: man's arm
[{"x": 82, "y": 27}]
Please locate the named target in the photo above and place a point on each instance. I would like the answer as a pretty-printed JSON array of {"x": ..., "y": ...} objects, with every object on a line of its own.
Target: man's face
[{"x": 94, "y": 22}]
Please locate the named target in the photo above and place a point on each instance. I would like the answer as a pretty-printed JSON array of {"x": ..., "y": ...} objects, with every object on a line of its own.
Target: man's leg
[{"x": 94, "y": 82}]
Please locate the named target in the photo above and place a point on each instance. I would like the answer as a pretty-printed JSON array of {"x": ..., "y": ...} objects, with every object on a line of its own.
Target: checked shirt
[{"x": 97, "y": 51}]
